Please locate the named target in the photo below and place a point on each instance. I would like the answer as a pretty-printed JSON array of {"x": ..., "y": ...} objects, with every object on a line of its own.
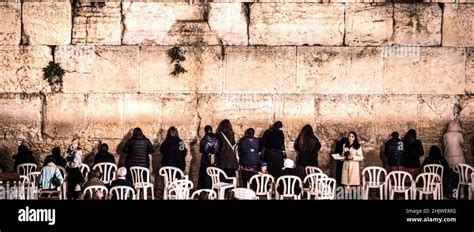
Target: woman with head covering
[
  {"x": 208, "y": 148},
  {"x": 453, "y": 141},
  {"x": 137, "y": 149},
  {"x": 24, "y": 156},
  {"x": 249, "y": 155},
  {"x": 413, "y": 150},
  {"x": 173, "y": 150},
  {"x": 226, "y": 157},
  {"x": 273, "y": 146},
  {"x": 121, "y": 181},
  {"x": 353, "y": 155},
  {"x": 47, "y": 173}
]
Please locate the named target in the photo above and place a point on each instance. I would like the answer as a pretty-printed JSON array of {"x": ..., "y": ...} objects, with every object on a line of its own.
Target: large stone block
[
  {"x": 22, "y": 68},
  {"x": 66, "y": 115},
  {"x": 229, "y": 22},
  {"x": 47, "y": 23},
  {"x": 466, "y": 117},
  {"x": 97, "y": 24},
  {"x": 340, "y": 70},
  {"x": 144, "y": 111},
  {"x": 369, "y": 24},
  {"x": 21, "y": 116},
  {"x": 470, "y": 70},
  {"x": 184, "y": 105},
  {"x": 106, "y": 115},
  {"x": 204, "y": 70},
  {"x": 260, "y": 70},
  {"x": 395, "y": 113},
  {"x": 418, "y": 24},
  {"x": 435, "y": 112},
  {"x": 295, "y": 111},
  {"x": 99, "y": 69},
  {"x": 296, "y": 24},
  {"x": 458, "y": 26},
  {"x": 429, "y": 71},
  {"x": 10, "y": 25}
]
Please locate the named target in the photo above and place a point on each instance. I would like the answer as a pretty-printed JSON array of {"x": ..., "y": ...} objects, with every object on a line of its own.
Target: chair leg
[{"x": 221, "y": 194}]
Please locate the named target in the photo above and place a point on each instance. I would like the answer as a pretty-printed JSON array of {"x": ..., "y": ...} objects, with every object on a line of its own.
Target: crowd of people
[{"x": 250, "y": 155}]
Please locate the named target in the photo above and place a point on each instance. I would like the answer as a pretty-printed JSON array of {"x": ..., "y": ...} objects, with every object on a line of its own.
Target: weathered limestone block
[
  {"x": 296, "y": 24},
  {"x": 458, "y": 26},
  {"x": 295, "y": 111},
  {"x": 340, "y": 70},
  {"x": 395, "y": 113},
  {"x": 260, "y": 70},
  {"x": 466, "y": 116},
  {"x": 148, "y": 23},
  {"x": 243, "y": 111},
  {"x": 191, "y": 33},
  {"x": 10, "y": 25},
  {"x": 66, "y": 115},
  {"x": 97, "y": 24},
  {"x": 429, "y": 71},
  {"x": 418, "y": 24},
  {"x": 470, "y": 70},
  {"x": 47, "y": 23},
  {"x": 99, "y": 69},
  {"x": 143, "y": 110},
  {"x": 184, "y": 106},
  {"x": 204, "y": 66},
  {"x": 22, "y": 68},
  {"x": 229, "y": 22},
  {"x": 20, "y": 116},
  {"x": 106, "y": 115},
  {"x": 435, "y": 112},
  {"x": 369, "y": 24}
]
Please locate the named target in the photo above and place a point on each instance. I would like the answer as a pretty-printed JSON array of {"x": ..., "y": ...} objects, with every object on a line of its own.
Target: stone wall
[{"x": 369, "y": 66}]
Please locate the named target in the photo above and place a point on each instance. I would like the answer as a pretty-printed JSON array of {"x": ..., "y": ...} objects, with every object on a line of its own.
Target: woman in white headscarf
[{"x": 453, "y": 141}]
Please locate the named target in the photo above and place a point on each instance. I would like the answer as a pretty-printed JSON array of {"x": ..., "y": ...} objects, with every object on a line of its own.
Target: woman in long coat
[
  {"x": 453, "y": 141},
  {"x": 350, "y": 168}
]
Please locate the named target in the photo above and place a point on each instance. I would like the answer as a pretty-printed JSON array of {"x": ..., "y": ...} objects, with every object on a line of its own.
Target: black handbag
[{"x": 55, "y": 180}]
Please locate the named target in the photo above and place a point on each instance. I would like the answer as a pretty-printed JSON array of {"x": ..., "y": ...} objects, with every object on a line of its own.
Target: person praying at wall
[
  {"x": 103, "y": 156},
  {"x": 394, "y": 153},
  {"x": 453, "y": 141},
  {"x": 137, "y": 150},
  {"x": 227, "y": 158},
  {"x": 208, "y": 148},
  {"x": 24, "y": 156},
  {"x": 173, "y": 150},
  {"x": 352, "y": 151},
  {"x": 272, "y": 144},
  {"x": 413, "y": 150},
  {"x": 339, "y": 150},
  {"x": 249, "y": 155},
  {"x": 307, "y": 146}
]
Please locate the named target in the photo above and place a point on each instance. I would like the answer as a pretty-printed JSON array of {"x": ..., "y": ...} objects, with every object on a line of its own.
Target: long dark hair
[
  {"x": 435, "y": 152},
  {"x": 306, "y": 139},
  {"x": 356, "y": 144},
  {"x": 225, "y": 127},
  {"x": 172, "y": 133},
  {"x": 138, "y": 133}
]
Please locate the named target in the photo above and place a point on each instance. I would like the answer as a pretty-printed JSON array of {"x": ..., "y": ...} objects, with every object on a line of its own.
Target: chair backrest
[
  {"x": 179, "y": 189},
  {"x": 108, "y": 171},
  {"x": 89, "y": 191},
  {"x": 244, "y": 194},
  {"x": 434, "y": 168},
  {"x": 428, "y": 182},
  {"x": 215, "y": 174},
  {"x": 140, "y": 174},
  {"x": 311, "y": 170},
  {"x": 181, "y": 184},
  {"x": 312, "y": 179},
  {"x": 84, "y": 170},
  {"x": 326, "y": 188},
  {"x": 289, "y": 184},
  {"x": 170, "y": 174},
  {"x": 33, "y": 178},
  {"x": 25, "y": 169},
  {"x": 122, "y": 192},
  {"x": 264, "y": 184},
  {"x": 373, "y": 176},
  {"x": 396, "y": 181},
  {"x": 211, "y": 194},
  {"x": 464, "y": 171}
]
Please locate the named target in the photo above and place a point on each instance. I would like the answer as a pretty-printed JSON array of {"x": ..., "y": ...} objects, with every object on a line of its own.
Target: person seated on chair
[
  {"x": 56, "y": 154},
  {"x": 289, "y": 169},
  {"x": 103, "y": 156},
  {"x": 47, "y": 173},
  {"x": 24, "y": 156},
  {"x": 94, "y": 180},
  {"x": 121, "y": 180},
  {"x": 74, "y": 176}
]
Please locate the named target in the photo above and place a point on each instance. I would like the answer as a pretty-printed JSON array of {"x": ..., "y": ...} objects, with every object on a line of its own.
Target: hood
[
  {"x": 454, "y": 127},
  {"x": 210, "y": 138}
]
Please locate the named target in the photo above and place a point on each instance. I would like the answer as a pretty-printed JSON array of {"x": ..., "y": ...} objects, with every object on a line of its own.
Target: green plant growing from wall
[
  {"x": 54, "y": 74},
  {"x": 177, "y": 55}
]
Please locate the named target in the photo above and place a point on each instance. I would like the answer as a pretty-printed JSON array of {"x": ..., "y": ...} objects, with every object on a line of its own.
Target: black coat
[
  {"x": 249, "y": 151},
  {"x": 208, "y": 144},
  {"x": 23, "y": 158},
  {"x": 273, "y": 144},
  {"x": 173, "y": 153},
  {"x": 226, "y": 158},
  {"x": 104, "y": 157},
  {"x": 137, "y": 151},
  {"x": 413, "y": 150},
  {"x": 307, "y": 157},
  {"x": 394, "y": 152}
]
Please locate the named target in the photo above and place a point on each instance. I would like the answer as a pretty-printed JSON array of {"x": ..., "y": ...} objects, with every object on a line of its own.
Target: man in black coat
[{"x": 394, "y": 152}]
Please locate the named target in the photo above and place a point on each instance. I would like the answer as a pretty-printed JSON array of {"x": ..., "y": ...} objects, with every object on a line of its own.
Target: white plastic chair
[
  {"x": 264, "y": 185},
  {"x": 325, "y": 188},
  {"x": 211, "y": 194},
  {"x": 464, "y": 172},
  {"x": 437, "y": 169},
  {"x": 89, "y": 191},
  {"x": 289, "y": 183},
  {"x": 396, "y": 183},
  {"x": 84, "y": 168},
  {"x": 312, "y": 179},
  {"x": 244, "y": 194},
  {"x": 141, "y": 180},
  {"x": 33, "y": 188},
  {"x": 430, "y": 185},
  {"x": 373, "y": 177},
  {"x": 311, "y": 170},
  {"x": 180, "y": 189},
  {"x": 170, "y": 174},
  {"x": 108, "y": 171},
  {"x": 25, "y": 169},
  {"x": 215, "y": 174},
  {"x": 122, "y": 193},
  {"x": 471, "y": 186}
]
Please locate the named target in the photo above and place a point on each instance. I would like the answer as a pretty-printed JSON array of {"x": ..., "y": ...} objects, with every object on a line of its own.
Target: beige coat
[
  {"x": 350, "y": 168},
  {"x": 453, "y": 141}
]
